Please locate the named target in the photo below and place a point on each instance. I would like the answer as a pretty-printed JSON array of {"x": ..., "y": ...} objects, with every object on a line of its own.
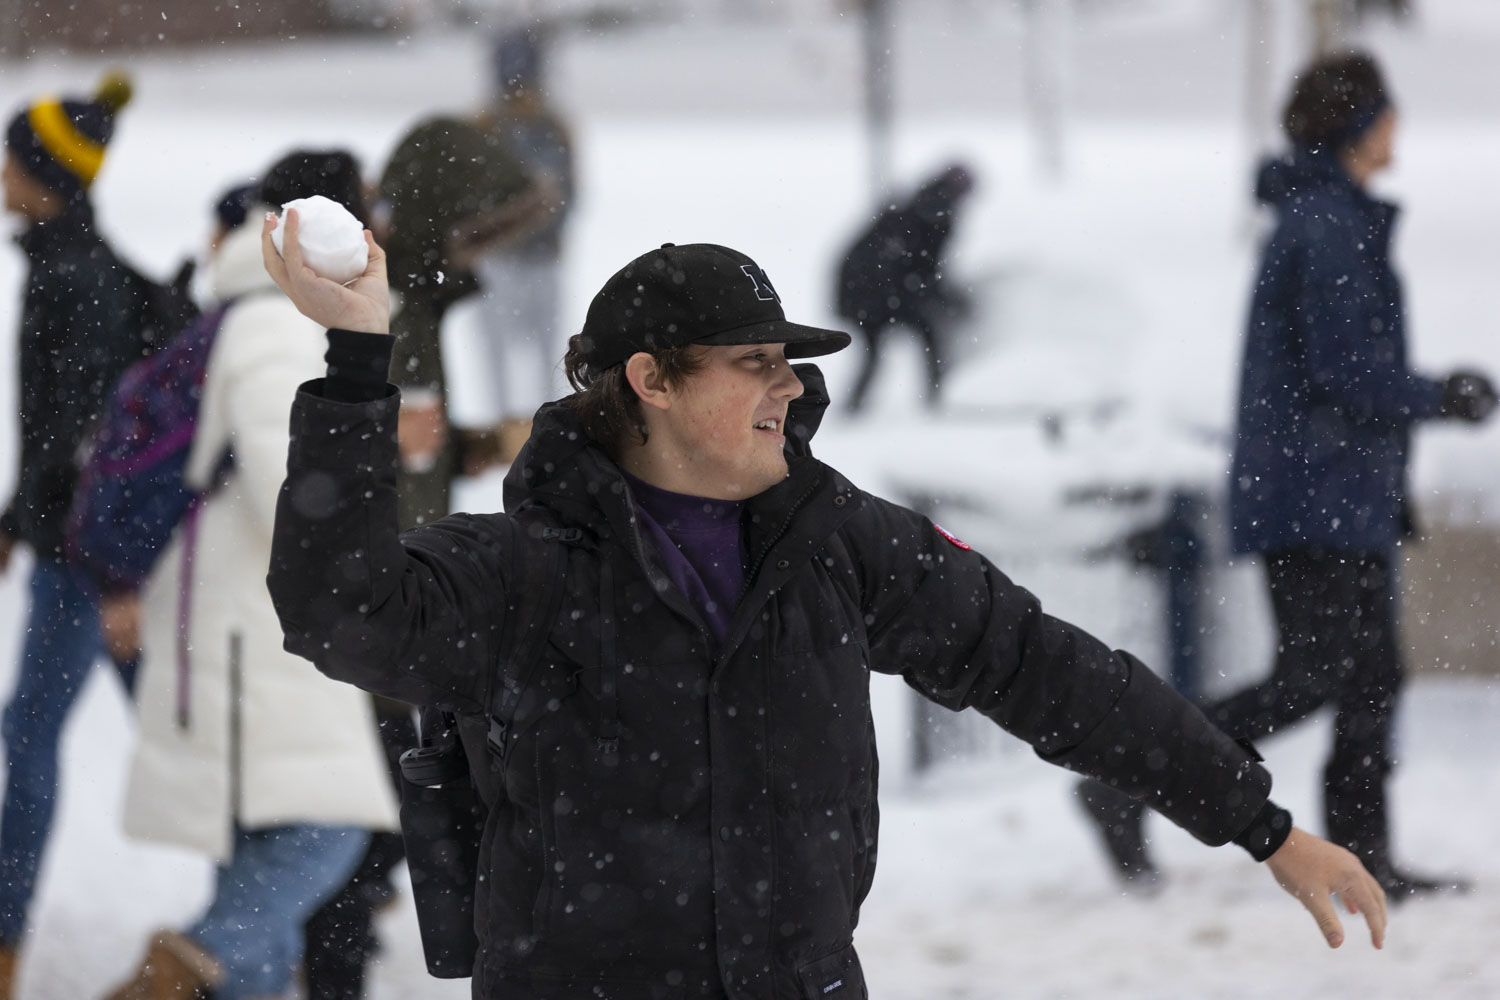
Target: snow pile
[{"x": 332, "y": 239}]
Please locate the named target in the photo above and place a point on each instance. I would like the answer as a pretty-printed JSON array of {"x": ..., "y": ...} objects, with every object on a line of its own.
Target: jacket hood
[
  {"x": 561, "y": 463},
  {"x": 1286, "y": 183},
  {"x": 74, "y": 223},
  {"x": 237, "y": 267},
  {"x": 444, "y": 173},
  {"x": 1299, "y": 173}
]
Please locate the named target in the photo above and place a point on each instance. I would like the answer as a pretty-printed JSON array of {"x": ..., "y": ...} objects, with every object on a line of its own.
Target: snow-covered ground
[{"x": 1121, "y": 283}]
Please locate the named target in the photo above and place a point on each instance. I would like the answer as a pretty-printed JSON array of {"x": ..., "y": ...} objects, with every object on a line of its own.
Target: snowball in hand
[{"x": 332, "y": 239}]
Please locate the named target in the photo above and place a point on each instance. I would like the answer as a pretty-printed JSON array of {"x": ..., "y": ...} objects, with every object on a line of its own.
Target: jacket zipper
[
  {"x": 753, "y": 572},
  {"x": 183, "y": 646},
  {"x": 236, "y": 761},
  {"x": 765, "y": 552}
]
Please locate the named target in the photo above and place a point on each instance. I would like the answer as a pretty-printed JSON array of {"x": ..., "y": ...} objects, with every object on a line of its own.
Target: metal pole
[
  {"x": 1183, "y": 547},
  {"x": 1258, "y": 59}
]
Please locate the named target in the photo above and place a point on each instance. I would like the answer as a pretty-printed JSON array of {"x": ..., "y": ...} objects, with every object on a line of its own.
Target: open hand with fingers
[
  {"x": 1313, "y": 870},
  {"x": 363, "y": 305}
]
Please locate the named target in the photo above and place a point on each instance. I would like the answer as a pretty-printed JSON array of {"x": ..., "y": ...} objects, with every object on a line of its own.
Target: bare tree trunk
[
  {"x": 1259, "y": 59},
  {"x": 880, "y": 98},
  {"x": 13, "y": 29},
  {"x": 1332, "y": 21},
  {"x": 1258, "y": 125},
  {"x": 1046, "y": 72}
]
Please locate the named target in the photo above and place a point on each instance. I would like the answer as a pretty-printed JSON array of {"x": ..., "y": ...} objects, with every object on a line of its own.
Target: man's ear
[{"x": 645, "y": 377}]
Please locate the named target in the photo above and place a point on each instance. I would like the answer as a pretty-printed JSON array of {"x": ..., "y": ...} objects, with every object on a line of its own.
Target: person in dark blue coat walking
[{"x": 1318, "y": 484}]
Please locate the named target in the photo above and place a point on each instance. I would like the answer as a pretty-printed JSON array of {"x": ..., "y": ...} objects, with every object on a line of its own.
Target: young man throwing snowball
[{"x": 683, "y": 802}]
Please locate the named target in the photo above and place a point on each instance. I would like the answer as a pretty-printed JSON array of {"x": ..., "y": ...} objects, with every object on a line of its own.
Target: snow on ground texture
[{"x": 1127, "y": 279}]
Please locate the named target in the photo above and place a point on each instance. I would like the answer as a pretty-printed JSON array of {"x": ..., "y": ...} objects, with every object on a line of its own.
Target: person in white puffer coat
[{"x": 245, "y": 754}]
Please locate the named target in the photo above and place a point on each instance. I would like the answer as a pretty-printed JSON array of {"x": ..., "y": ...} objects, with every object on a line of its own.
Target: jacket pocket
[{"x": 834, "y": 977}]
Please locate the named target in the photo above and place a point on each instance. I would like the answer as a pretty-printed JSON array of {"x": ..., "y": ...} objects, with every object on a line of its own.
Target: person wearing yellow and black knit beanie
[
  {"x": 80, "y": 327},
  {"x": 60, "y": 142}
]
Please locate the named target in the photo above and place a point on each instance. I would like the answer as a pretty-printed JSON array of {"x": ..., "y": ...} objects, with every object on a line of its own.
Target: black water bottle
[{"x": 442, "y": 820}]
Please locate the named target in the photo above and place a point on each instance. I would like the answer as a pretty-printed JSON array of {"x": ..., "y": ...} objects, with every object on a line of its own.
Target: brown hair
[
  {"x": 604, "y": 401},
  {"x": 1334, "y": 99}
]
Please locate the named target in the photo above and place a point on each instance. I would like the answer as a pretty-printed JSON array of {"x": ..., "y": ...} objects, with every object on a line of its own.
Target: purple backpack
[{"x": 130, "y": 493}]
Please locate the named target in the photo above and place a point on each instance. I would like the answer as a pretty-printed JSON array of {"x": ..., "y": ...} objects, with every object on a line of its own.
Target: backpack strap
[
  {"x": 533, "y": 605},
  {"x": 543, "y": 570}
]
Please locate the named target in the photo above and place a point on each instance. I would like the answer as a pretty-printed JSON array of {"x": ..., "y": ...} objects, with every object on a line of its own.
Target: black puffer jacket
[
  {"x": 81, "y": 327},
  {"x": 723, "y": 845}
]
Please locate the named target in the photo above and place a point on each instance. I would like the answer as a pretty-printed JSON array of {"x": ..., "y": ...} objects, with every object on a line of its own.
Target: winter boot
[
  {"x": 7, "y": 972},
  {"x": 175, "y": 968},
  {"x": 1119, "y": 819},
  {"x": 1357, "y": 817},
  {"x": 1400, "y": 884}
]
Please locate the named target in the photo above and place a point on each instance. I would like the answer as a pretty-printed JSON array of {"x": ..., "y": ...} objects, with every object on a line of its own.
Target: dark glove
[{"x": 1468, "y": 396}]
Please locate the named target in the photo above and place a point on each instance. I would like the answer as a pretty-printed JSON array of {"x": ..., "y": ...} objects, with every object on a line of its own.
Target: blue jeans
[
  {"x": 62, "y": 642},
  {"x": 277, "y": 878}
]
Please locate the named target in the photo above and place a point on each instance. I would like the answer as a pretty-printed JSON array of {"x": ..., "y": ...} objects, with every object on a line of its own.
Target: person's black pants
[
  {"x": 340, "y": 938},
  {"x": 1336, "y": 619},
  {"x": 875, "y": 334}
]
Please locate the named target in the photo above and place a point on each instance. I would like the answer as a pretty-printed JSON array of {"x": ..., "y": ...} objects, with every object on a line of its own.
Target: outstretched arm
[{"x": 966, "y": 636}]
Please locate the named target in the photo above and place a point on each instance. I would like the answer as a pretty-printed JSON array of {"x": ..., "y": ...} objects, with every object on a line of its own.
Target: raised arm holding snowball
[{"x": 363, "y": 305}]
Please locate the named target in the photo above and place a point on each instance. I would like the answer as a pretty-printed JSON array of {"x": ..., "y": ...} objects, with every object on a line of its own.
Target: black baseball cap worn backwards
[{"x": 700, "y": 293}]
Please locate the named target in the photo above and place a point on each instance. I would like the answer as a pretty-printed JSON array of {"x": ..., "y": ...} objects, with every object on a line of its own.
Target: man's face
[
  {"x": 1383, "y": 138},
  {"x": 1376, "y": 149},
  {"x": 24, "y": 194},
  {"x": 726, "y": 424}
]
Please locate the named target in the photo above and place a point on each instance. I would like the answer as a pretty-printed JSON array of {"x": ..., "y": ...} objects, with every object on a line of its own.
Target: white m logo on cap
[{"x": 764, "y": 290}]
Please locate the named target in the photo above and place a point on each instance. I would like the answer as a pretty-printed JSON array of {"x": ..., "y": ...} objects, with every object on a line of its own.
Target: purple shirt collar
[{"x": 700, "y": 545}]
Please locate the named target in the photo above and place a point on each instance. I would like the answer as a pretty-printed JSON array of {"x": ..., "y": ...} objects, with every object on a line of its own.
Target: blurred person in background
[
  {"x": 80, "y": 328},
  {"x": 520, "y": 281},
  {"x": 1318, "y": 486},
  {"x": 892, "y": 276},
  {"x": 119, "y": 610},
  {"x": 242, "y": 755},
  {"x": 230, "y": 211},
  {"x": 454, "y": 194}
]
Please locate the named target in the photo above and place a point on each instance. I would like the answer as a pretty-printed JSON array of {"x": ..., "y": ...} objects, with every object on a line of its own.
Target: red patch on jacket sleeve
[{"x": 956, "y": 541}]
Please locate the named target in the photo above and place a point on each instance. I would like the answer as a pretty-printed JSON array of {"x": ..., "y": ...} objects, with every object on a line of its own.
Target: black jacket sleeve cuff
[
  {"x": 358, "y": 364},
  {"x": 1266, "y": 832}
]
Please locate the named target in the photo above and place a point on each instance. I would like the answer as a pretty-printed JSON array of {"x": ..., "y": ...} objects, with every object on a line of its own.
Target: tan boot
[
  {"x": 7, "y": 973},
  {"x": 175, "y": 968},
  {"x": 512, "y": 434}
]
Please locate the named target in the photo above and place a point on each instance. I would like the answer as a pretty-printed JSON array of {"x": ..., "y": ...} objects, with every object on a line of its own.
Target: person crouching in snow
[
  {"x": 684, "y": 802},
  {"x": 244, "y": 755}
]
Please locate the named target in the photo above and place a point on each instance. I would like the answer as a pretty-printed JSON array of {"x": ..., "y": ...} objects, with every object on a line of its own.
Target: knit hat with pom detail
[{"x": 60, "y": 141}]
